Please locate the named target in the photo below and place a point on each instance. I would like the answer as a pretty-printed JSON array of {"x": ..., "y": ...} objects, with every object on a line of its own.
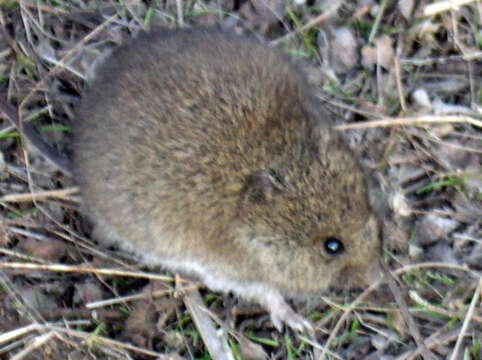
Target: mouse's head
[{"x": 308, "y": 220}]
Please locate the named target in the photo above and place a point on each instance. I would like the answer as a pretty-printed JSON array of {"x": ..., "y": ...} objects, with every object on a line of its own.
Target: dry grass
[{"x": 405, "y": 79}]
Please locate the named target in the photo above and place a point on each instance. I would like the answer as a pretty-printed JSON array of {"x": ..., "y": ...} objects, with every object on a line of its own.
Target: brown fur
[{"x": 208, "y": 147}]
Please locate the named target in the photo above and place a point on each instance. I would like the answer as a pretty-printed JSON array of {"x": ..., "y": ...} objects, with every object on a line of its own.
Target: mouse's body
[{"x": 206, "y": 153}]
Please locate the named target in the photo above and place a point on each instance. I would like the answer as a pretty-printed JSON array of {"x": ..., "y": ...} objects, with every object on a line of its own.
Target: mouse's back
[{"x": 178, "y": 120}]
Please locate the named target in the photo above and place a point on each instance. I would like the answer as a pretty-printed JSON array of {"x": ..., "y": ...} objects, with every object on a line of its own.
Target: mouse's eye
[{"x": 333, "y": 246}]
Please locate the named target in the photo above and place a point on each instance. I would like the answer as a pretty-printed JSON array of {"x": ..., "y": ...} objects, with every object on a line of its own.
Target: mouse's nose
[
  {"x": 362, "y": 276},
  {"x": 374, "y": 273}
]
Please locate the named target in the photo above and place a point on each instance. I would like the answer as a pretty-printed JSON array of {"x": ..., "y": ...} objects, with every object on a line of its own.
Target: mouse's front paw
[{"x": 282, "y": 313}]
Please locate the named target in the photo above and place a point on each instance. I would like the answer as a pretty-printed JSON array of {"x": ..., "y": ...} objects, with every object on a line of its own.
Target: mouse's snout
[
  {"x": 374, "y": 273},
  {"x": 361, "y": 276}
]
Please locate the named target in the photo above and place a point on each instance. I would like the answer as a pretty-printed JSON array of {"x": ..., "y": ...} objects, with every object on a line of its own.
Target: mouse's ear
[{"x": 262, "y": 185}]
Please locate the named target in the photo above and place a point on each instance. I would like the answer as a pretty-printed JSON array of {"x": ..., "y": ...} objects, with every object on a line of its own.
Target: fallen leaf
[
  {"x": 406, "y": 8},
  {"x": 86, "y": 292},
  {"x": 432, "y": 227},
  {"x": 344, "y": 50},
  {"x": 263, "y": 13},
  {"x": 382, "y": 53},
  {"x": 250, "y": 350},
  {"x": 36, "y": 299},
  {"x": 140, "y": 327},
  {"x": 50, "y": 250}
]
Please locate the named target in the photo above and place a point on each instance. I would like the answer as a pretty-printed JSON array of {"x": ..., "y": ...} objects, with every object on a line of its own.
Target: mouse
[{"x": 206, "y": 153}]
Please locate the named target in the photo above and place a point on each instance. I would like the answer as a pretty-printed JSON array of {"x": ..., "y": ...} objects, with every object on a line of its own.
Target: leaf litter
[{"x": 404, "y": 79}]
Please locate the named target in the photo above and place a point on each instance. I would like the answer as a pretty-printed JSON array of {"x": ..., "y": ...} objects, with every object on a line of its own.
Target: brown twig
[
  {"x": 398, "y": 79},
  {"x": 430, "y": 119},
  {"x": 432, "y": 342},
  {"x": 42, "y": 195},
  {"x": 84, "y": 269},
  {"x": 140, "y": 296},
  {"x": 443, "y": 59},
  {"x": 468, "y": 317},
  {"x": 441, "y": 6}
]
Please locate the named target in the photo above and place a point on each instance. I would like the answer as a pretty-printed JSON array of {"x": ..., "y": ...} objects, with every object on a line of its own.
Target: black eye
[{"x": 333, "y": 246}]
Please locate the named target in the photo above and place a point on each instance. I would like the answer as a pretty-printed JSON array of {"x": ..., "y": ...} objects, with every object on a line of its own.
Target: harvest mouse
[{"x": 206, "y": 153}]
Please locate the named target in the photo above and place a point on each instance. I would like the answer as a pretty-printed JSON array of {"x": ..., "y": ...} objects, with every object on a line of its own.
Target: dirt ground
[{"x": 405, "y": 80}]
